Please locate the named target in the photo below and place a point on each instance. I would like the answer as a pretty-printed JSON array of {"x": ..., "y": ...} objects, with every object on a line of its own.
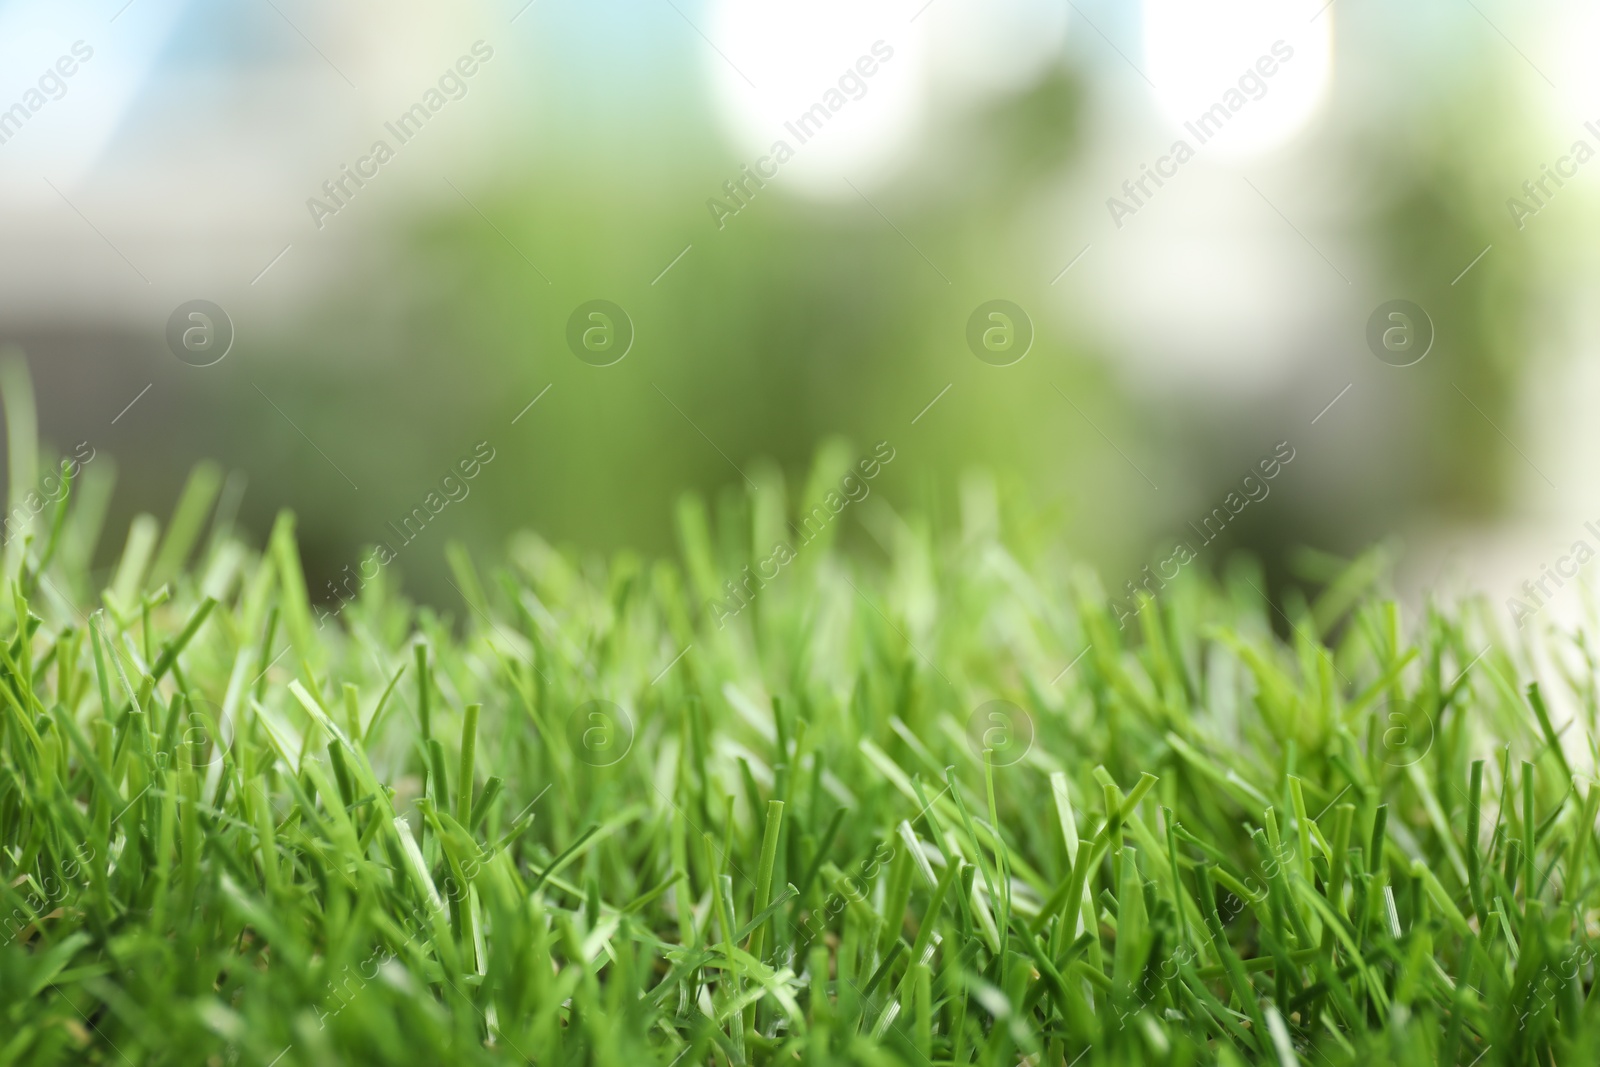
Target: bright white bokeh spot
[
  {"x": 1196, "y": 51},
  {"x": 805, "y": 54},
  {"x": 1571, "y": 35}
]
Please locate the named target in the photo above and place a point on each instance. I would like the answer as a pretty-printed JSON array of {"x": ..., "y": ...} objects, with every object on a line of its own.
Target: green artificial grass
[{"x": 574, "y": 821}]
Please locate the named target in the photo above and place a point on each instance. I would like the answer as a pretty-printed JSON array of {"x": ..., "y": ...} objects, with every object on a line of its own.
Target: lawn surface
[{"x": 935, "y": 810}]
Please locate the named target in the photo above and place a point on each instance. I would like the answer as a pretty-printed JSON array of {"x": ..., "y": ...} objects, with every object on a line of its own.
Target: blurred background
[{"x": 390, "y": 309}]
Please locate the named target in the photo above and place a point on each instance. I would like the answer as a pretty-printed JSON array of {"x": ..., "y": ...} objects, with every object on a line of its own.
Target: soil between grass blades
[{"x": 577, "y": 823}]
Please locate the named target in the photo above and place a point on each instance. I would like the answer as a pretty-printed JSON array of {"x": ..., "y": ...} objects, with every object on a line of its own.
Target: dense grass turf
[{"x": 578, "y": 823}]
